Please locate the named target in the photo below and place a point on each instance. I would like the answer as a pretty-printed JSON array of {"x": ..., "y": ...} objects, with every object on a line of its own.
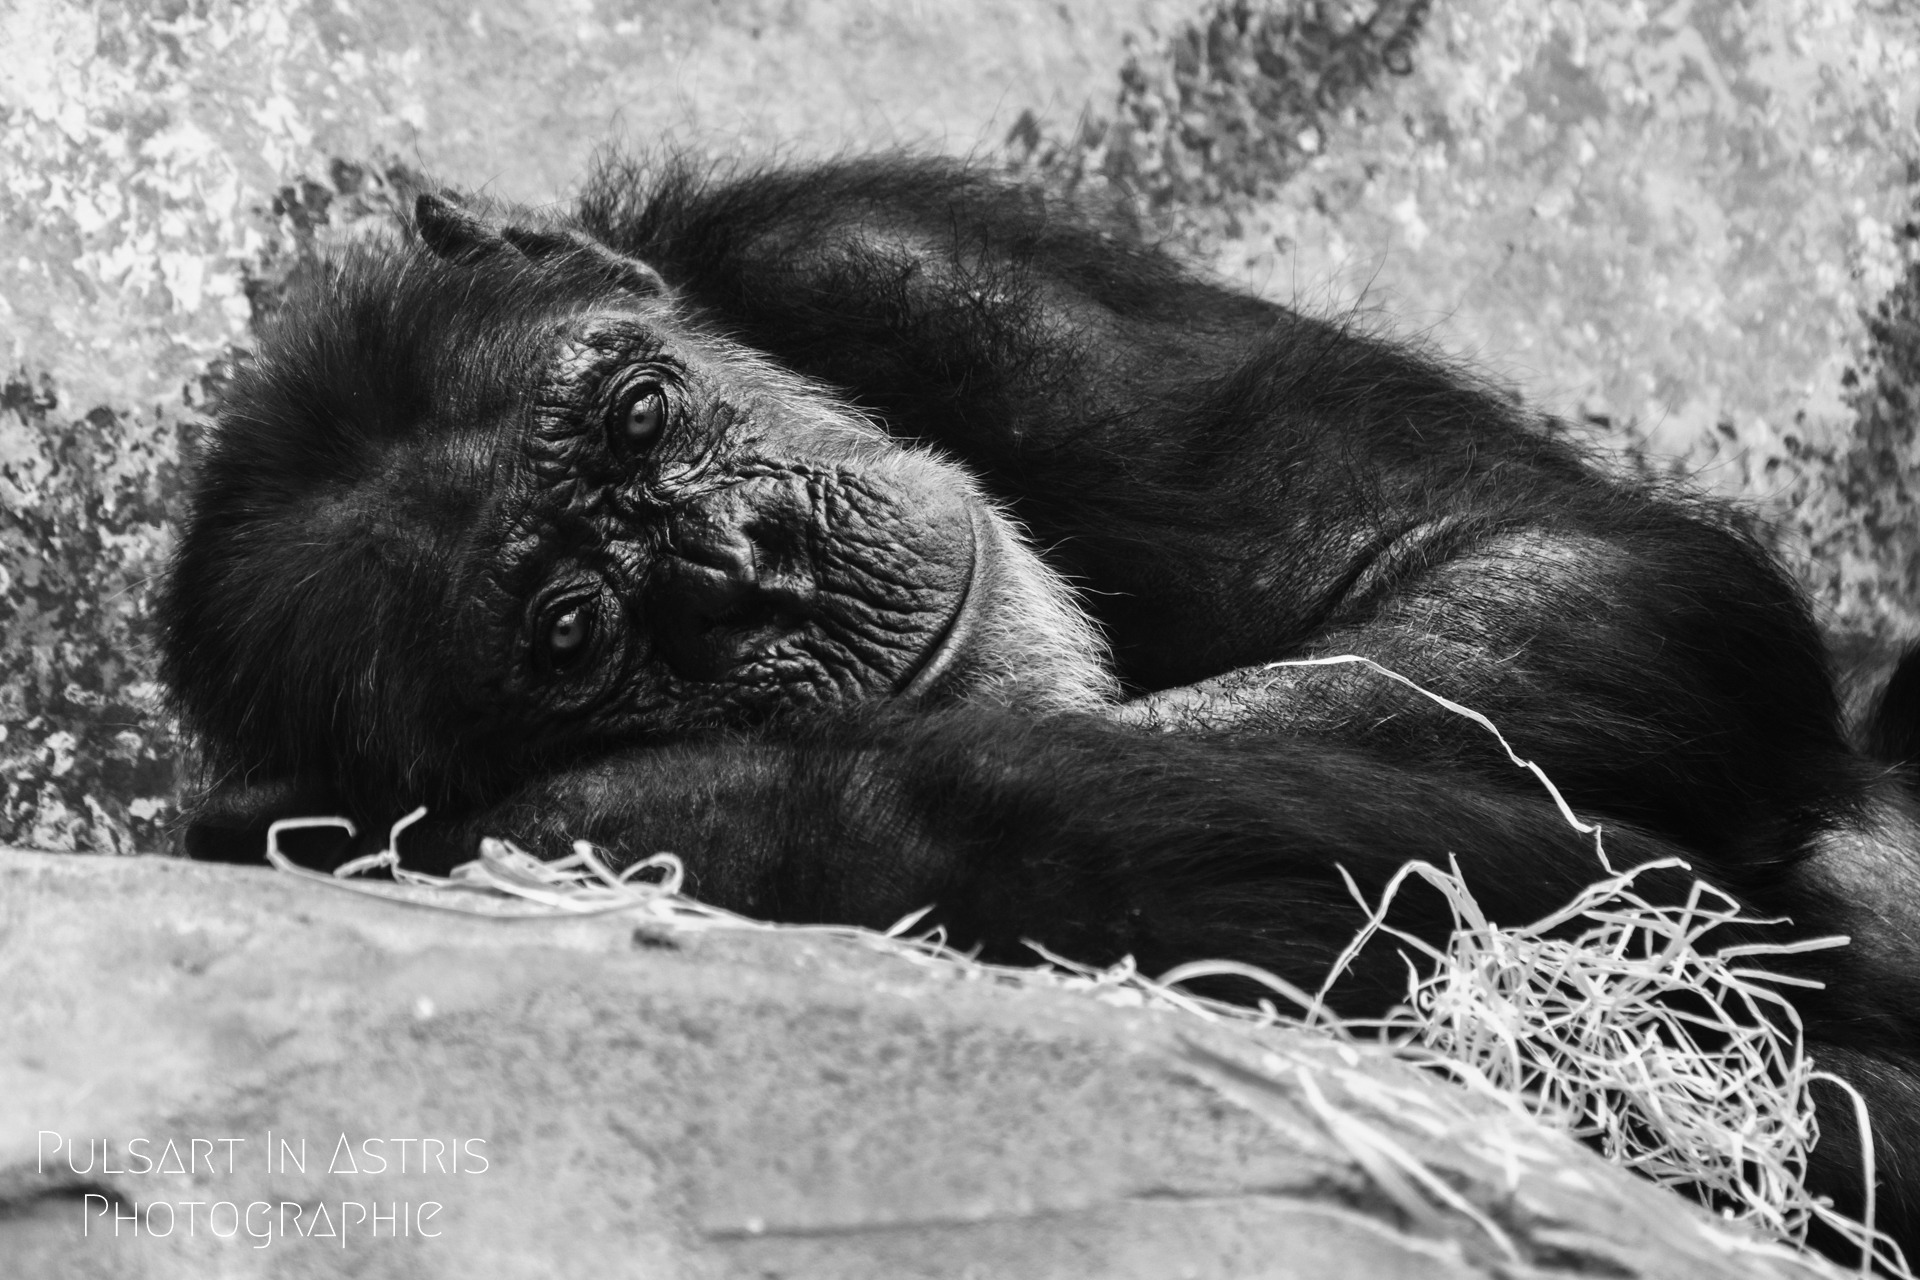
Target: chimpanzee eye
[
  {"x": 567, "y": 634},
  {"x": 641, "y": 417}
]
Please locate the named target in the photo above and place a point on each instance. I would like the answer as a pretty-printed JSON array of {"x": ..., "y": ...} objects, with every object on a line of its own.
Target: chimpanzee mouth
[{"x": 954, "y": 639}]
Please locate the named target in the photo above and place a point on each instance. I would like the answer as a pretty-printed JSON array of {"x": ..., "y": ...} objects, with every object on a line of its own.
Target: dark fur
[{"x": 1227, "y": 482}]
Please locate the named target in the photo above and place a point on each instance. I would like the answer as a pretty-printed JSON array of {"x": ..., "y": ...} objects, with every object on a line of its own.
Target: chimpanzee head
[{"x": 488, "y": 498}]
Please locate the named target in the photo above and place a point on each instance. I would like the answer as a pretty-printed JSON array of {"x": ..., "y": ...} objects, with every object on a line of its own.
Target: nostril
[{"x": 707, "y": 621}]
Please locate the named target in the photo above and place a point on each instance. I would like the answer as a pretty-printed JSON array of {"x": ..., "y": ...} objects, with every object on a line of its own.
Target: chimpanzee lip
[{"x": 957, "y": 634}]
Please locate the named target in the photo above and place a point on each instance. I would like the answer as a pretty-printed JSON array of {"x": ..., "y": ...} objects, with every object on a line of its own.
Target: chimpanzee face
[{"x": 682, "y": 535}]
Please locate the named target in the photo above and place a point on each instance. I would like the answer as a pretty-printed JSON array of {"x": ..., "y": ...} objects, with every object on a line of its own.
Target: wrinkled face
[{"x": 682, "y": 535}]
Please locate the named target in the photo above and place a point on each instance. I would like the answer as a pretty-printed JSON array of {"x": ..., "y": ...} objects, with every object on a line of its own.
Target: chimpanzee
[{"x": 886, "y": 533}]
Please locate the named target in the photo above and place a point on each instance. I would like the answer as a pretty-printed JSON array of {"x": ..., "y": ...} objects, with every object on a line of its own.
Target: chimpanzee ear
[
  {"x": 451, "y": 230},
  {"x": 630, "y": 273}
]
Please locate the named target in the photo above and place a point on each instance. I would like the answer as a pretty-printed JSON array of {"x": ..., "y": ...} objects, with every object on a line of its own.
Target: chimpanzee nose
[{"x": 727, "y": 589}]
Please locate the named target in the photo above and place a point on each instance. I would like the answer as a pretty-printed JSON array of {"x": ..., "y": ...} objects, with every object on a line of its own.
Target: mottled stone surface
[
  {"x": 1692, "y": 233},
  {"x": 613, "y": 1099}
]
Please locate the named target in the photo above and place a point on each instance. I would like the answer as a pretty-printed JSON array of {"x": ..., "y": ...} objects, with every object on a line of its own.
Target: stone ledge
[{"x": 714, "y": 1104}]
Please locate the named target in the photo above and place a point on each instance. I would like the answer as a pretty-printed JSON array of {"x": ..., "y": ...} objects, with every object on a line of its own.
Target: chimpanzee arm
[
  {"x": 1235, "y": 483},
  {"x": 1094, "y": 840}
]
